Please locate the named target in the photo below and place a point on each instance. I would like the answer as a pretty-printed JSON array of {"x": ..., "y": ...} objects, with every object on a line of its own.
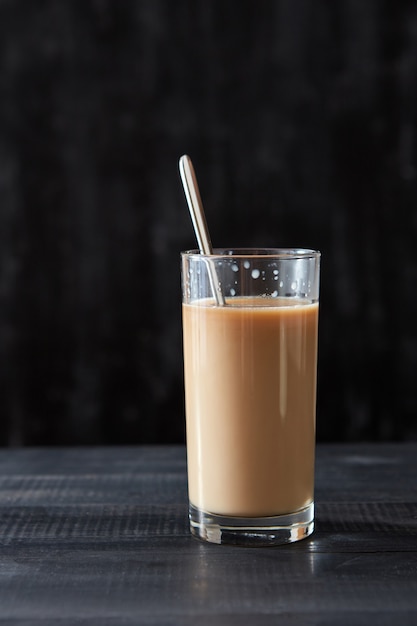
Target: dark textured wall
[{"x": 300, "y": 118}]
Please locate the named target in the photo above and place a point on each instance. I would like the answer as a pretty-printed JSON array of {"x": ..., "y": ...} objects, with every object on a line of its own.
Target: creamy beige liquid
[{"x": 250, "y": 381}]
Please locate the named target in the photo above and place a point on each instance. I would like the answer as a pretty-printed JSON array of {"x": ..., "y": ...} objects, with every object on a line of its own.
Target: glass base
[{"x": 252, "y": 531}]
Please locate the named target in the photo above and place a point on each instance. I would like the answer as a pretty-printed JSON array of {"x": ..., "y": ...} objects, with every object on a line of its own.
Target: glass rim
[{"x": 253, "y": 253}]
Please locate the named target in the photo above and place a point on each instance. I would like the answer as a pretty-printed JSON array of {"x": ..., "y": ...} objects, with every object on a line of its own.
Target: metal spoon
[{"x": 195, "y": 205}]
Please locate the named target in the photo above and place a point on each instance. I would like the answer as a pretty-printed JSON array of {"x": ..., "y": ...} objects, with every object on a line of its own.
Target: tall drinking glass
[{"x": 250, "y": 363}]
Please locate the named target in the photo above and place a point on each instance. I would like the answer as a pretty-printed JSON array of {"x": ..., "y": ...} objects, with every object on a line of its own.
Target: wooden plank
[{"x": 185, "y": 578}]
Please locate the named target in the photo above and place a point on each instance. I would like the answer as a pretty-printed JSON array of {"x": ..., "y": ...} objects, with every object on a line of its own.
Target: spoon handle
[
  {"x": 192, "y": 193},
  {"x": 195, "y": 205}
]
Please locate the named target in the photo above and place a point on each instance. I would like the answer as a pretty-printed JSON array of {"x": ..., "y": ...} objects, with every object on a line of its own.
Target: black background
[{"x": 300, "y": 118}]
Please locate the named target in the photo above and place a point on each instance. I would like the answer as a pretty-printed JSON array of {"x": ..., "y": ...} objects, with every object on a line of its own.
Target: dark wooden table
[{"x": 100, "y": 536}]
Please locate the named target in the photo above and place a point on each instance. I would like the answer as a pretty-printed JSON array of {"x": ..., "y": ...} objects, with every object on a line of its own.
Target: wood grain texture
[
  {"x": 301, "y": 121},
  {"x": 100, "y": 536}
]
